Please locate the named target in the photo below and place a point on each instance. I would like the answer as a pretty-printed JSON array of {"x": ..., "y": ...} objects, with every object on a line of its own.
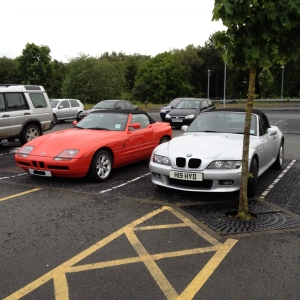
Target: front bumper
[
  {"x": 73, "y": 168},
  {"x": 213, "y": 180}
]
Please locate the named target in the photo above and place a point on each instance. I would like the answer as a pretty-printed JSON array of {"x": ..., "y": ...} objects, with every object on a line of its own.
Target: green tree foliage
[
  {"x": 163, "y": 78},
  {"x": 93, "y": 79},
  {"x": 34, "y": 64},
  {"x": 9, "y": 71},
  {"x": 265, "y": 80},
  {"x": 54, "y": 84},
  {"x": 260, "y": 33}
]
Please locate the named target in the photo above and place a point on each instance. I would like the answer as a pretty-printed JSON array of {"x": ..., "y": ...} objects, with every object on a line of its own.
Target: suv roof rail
[{"x": 27, "y": 87}]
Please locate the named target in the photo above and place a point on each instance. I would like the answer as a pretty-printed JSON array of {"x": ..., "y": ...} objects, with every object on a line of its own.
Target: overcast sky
[{"x": 93, "y": 27}]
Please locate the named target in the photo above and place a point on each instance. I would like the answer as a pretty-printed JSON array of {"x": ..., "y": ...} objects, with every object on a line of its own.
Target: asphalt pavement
[{"x": 127, "y": 239}]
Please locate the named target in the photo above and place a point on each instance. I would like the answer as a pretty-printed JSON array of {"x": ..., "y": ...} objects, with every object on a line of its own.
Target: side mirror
[
  {"x": 75, "y": 123},
  {"x": 271, "y": 131},
  {"x": 184, "y": 128},
  {"x": 60, "y": 106},
  {"x": 135, "y": 125}
]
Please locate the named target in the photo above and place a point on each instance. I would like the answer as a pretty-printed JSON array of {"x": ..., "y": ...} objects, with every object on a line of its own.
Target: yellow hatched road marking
[
  {"x": 59, "y": 274},
  {"x": 18, "y": 195}
]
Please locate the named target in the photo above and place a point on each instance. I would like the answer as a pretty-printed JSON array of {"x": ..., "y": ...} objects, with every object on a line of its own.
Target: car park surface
[{"x": 48, "y": 224}]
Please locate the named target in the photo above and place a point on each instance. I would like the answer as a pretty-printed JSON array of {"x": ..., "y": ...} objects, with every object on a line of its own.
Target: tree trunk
[{"x": 243, "y": 212}]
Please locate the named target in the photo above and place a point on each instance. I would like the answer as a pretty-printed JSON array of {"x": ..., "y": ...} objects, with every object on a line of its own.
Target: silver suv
[{"x": 25, "y": 112}]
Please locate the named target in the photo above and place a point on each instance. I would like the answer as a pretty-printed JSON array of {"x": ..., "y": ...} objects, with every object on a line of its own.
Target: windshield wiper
[{"x": 98, "y": 128}]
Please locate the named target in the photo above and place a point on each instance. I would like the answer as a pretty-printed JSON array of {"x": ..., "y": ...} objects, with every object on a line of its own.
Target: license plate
[
  {"x": 186, "y": 176},
  {"x": 40, "y": 173},
  {"x": 177, "y": 120}
]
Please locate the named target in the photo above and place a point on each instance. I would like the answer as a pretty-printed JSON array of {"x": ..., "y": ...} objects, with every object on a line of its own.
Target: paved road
[{"x": 126, "y": 239}]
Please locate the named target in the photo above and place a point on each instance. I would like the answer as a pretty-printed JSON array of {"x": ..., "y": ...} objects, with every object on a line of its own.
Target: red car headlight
[
  {"x": 66, "y": 155},
  {"x": 24, "y": 151}
]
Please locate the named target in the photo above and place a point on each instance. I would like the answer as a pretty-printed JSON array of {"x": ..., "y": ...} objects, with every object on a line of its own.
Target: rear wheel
[
  {"x": 279, "y": 160},
  {"x": 54, "y": 118},
  {"x": 164, "y": 139},
  {"x": 29, "y": 133},
  {"x": 252, "y": 180},
  {"x": 101, "y": 166}
]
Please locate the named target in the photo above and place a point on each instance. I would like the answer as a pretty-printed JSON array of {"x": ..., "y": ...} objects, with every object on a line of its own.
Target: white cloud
[{"x": 94, "y": 27}]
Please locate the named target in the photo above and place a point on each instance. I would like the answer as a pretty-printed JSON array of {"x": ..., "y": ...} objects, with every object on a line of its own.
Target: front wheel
[
  {"x": 101, "y": 166},
  {"x": 279, "y": 160},
  {"x": 252, "y": 180},
  {"x": 29, "y": 133}
]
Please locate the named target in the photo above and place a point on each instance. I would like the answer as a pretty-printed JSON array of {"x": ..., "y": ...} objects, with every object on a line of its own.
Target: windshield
[
  {"x": 105, "y": 105},
  {"x": 224, "y": 122},
  {"x": 54, "y": 103},
  {"x": 188, "y": 104},
  {"x": 104, "y": 121}
]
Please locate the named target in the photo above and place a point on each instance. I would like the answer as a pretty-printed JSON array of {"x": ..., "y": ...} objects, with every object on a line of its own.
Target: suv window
[
  {"x": 74, "y": 103},
  {"x": 15, "y": 101},
  {"x": 2, "y": 104},
  {"x": 38, "y": 100}
]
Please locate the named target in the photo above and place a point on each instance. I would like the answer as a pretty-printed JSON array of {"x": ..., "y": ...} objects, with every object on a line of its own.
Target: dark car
[
  {"x": 168, "y": 107},
  {"x": 109, "y": 104},
  {"x": 187, "y": 110}
]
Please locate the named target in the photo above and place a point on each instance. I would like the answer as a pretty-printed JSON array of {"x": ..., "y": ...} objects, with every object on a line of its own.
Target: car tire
[
  {"x": 29, "y": 133},
  {"x": 279, "y": 160},
  {"x": 100, "y": 167},
  {"x": 77, "y": 118},
  {"x": 252, "y": 181},
  {"x": 164, "y": 139},
  {"x": 54, "y": 118}
]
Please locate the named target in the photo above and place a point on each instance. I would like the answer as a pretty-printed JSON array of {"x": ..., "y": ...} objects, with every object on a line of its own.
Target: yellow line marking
[
  {"x": 61, "y": 290},
  {"x": 193, "y": 226},
  {"x": 208, "y": 269},
  {"x": 18, "y": 195},
  {"x": 59, "y": 274},
  {"x": 152, "y": 267}
]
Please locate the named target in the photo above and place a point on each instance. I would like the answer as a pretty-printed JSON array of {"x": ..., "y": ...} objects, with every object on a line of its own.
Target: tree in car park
[{"x": 259, "y": 34}]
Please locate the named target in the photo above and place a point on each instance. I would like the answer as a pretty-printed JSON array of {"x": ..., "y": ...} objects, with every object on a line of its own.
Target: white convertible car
[{"x": 208, "y": 156}]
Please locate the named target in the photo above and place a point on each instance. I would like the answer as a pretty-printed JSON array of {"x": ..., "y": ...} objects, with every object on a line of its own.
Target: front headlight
[
  {"x": 225, "y": 164},
  {"x": 190, "y": 117},
  {"x": 168, "y": 116},
  {"x": 163, "y": 160},
  {"x": 24, "y": 151},
  {"x": 66, "y": 155}
]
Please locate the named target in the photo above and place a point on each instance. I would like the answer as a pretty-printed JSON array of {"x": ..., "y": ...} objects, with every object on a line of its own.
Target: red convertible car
[{"x": 100, "y": 142}]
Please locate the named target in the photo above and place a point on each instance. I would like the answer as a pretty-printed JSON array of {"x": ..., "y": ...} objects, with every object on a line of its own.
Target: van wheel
[
  {"x": 101, "y": 166},
  {"x": 29, "y": 133}
]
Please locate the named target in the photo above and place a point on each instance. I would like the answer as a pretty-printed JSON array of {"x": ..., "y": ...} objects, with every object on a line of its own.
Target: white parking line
[
  {"x": 116, "y": 187},
  {"x": 264, "y": 194}
]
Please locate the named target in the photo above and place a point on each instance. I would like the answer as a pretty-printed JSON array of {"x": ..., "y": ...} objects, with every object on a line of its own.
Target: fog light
[
  {"x": 156, "y": 175},
  {"x": 226, "y": 182}
]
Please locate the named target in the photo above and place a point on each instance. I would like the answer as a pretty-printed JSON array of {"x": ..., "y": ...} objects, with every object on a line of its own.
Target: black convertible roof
[{"x": 123, "y": 111}]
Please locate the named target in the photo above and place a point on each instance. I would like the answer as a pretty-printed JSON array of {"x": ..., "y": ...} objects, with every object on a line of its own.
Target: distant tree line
[{"x": 137, "y": 77}]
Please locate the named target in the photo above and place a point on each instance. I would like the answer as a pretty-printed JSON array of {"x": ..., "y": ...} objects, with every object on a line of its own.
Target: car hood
[
  {"x": 183, "y": 112},
  {"x": 80, "y": 139},
  {"x": 206, "y": 146}
]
